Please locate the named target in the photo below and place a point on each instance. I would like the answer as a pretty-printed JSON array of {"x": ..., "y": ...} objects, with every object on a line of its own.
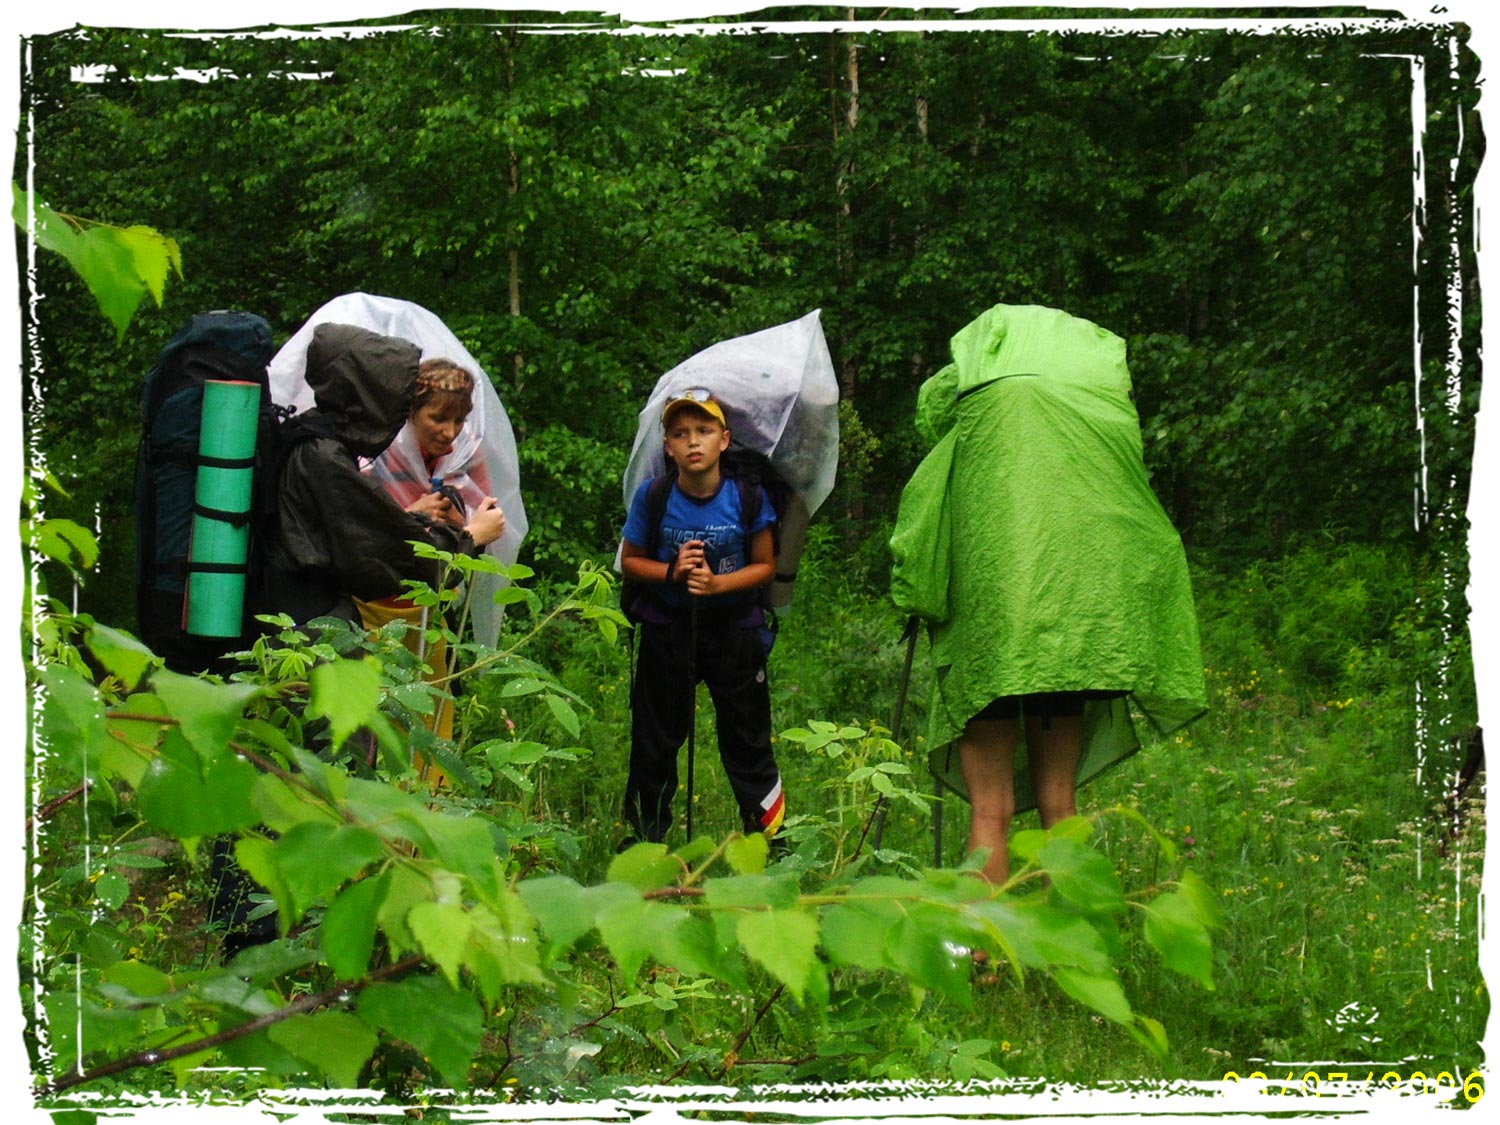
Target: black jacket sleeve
[{"x": 337, "y": 521}]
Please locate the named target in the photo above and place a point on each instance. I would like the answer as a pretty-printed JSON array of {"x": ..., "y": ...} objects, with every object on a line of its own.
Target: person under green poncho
[{"x": 1053, "y": 585}]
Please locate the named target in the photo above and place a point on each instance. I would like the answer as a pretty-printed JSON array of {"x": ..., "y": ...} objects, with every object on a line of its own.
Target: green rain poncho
[{"x": 1031, "y": 542}]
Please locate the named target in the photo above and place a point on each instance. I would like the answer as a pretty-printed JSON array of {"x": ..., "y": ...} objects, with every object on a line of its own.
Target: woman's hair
[{"x": 443, "y": 384}]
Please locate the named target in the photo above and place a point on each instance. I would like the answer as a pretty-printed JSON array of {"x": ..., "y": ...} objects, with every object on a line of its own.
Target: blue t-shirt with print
[{"x": 715, "y": 520}]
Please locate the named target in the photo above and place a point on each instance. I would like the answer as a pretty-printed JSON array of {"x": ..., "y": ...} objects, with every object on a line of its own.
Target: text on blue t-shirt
[{"x": 715, "y": 520}]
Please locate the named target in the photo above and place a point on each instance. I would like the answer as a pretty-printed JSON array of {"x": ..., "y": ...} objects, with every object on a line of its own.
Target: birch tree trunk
[
  {"x": 513, "y": 255},
  {"x": 844, "y": 125}
]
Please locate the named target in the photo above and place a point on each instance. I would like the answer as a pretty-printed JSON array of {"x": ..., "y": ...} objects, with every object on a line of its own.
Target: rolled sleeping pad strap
[
  {"x": 221, "y": 530},
  {"x": 239, "y": 519},
  {"x": 226, "y": 462},
  {"x": 218, "y": 568}
]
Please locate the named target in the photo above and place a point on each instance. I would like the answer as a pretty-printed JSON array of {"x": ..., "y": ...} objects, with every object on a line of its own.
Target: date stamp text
[{"x": 1318, "y": 1083}]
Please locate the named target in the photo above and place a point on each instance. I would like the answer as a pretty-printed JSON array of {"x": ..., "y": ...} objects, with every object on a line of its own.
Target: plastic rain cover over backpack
[
  {"x": 483, "y": 461},
  {"x": 780, "y": 398},
  {"x": 1031, "y": 541}
]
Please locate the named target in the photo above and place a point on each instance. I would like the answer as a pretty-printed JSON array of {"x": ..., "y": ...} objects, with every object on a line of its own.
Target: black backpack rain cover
[{"x": 213, "y": 345}]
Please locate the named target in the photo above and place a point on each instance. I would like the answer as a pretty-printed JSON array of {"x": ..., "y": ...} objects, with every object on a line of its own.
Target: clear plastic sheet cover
[
  {"x": 780, "y": 397},
  {"x": 486, "y": 444}
]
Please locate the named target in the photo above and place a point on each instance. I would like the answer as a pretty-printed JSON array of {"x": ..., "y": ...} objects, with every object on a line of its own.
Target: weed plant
[
  {"x": 1305, "y": 795},
  {"x": 1310, "y": 798}
]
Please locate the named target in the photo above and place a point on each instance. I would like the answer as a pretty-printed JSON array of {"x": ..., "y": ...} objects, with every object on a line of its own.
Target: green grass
[
  {"x": 1350, "y": 919},
  {"x": 1350, "y": 914}
]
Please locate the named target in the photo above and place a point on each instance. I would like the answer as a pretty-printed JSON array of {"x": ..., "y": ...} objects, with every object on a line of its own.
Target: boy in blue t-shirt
[{"x": 700, "y": 619}]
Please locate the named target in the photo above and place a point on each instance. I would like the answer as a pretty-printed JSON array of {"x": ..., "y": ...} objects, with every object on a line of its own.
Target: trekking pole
[
  {"x": 910, "y": 637},
  {"x": 693, "y": 718},
  {"x": 632, "y": 636},
  {"x": 937, "y": 820}
]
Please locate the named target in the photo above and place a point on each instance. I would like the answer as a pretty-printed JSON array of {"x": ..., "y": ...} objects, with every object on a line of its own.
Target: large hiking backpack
[
  {"x": 780, "y": 399},
  {"x": 221, "y": 345},
  {"x": 754, "y": 476}
]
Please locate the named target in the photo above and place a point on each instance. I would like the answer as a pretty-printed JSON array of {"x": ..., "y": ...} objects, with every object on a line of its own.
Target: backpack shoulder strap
[
  {"x": 657, "y": 494},
  {"x": 750, "y": 494},
  {"x": 284, "y": 432}
]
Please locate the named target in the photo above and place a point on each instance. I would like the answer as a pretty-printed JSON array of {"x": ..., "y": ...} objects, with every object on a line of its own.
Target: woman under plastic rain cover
[
  {"x": 780, "y": 398},
  {"x": 1031, "y": 542},
  {"x": 483, "y": 460}
]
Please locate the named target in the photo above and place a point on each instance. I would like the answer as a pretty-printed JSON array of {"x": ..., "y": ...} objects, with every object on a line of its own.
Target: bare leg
[
  {"x": 1053, "y": 755},
  {"x": 986, "y": 756}
]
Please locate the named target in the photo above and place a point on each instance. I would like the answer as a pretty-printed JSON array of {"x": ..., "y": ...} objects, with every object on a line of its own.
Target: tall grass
[
  {"x": 1309, "y": 797},
  {"x": 1350, "y": 907}
]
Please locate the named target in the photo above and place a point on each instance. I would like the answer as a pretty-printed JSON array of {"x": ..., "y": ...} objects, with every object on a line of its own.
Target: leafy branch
[
  {"x": 120, "y": 265},
  {"x": 338, "y": 994},
  {"x": 56, "y": 803},
  {"x": 371, "y": 864}
]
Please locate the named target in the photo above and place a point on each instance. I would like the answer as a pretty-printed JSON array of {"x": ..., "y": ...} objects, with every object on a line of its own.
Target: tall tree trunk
[
  {"x": 513, "y": 281},
  {"x": 845, "y": 121},
  {"x": 844, "y": 262},
  {"x": 921, "y": 231}
]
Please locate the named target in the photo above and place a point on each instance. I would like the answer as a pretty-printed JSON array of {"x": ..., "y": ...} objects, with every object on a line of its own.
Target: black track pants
[{"x": 731, "y": 661}]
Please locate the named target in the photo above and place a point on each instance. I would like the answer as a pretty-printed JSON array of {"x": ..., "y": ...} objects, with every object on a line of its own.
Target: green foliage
[
  {"x": 1318, "y": 800},
  {"x": 1337, "y": 623},
  {"x": 1227, "y": 202},
  {"x": 412, "y": 919},
  {"x": 865, "y": 768},
  {"x": 1238, "y": 206},
  {"x": 1340, "y": 609},
  {"x": 573, "y": 495},
  {"x": 1303, "y": 841},
  {"x": 119, "y": 266}
]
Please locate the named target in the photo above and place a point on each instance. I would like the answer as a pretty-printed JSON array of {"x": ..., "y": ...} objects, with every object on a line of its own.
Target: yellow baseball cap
[{"x": 700, "y": 398}]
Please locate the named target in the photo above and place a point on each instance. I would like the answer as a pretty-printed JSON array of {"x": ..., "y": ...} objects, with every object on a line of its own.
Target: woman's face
[{"x": 436, "y": 427}]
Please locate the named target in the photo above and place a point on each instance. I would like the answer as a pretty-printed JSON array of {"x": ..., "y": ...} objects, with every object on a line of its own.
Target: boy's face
[{"x": 694, "y": 440}]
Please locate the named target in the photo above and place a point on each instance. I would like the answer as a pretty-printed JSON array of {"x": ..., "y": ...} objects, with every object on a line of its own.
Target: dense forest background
[
  {"x": 1279, "y": 223},
  {"x": 1278, "y": 217}
]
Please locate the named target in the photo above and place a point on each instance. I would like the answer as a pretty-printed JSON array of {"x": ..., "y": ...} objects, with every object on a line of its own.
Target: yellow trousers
[{"x": 434, "y": 655}]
